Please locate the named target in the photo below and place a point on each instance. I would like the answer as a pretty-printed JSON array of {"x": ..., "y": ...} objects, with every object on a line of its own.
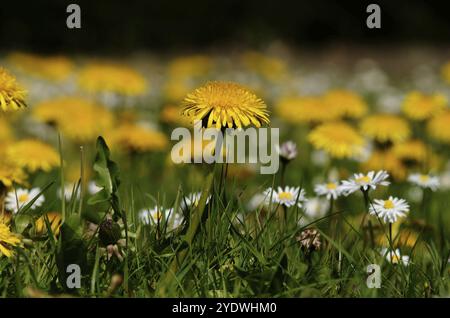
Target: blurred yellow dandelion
[
  {"x": 338, "y": 139},
  {"x": 439, "y": 127},
  {"x": 385, "y": 160},
  {"x": 10, "y": 173},
  {"x": 419, "y": 106},
  {"x": 346, "y": 103},
  {"x": 225, "y": 104},
  {"x": 137, "y": 138},
  {"x": 53, "y": 68},
  {"x": 112, "y": 78},
  {"x": 12, "y": 95},
  {"x": 33, "y": 155},
  {"x": 77, "y": 118},
  {"x": 54, "y": 218},
  {"x": 385, "y": 128},
  {"x": 410, "y": 151},
  {"x": 310, "y": 109}
]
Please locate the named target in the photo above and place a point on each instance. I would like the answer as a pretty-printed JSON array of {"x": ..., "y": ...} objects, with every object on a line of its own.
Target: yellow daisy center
[
  {"x": 363, "y": 179},
  {"x": 285, "y": 196},
  {"x": 388, "y": 204},
  {"x": 331, "y": 186},
  {"x": 424, "y": 178},
  {"x": 23, "y": 198}
]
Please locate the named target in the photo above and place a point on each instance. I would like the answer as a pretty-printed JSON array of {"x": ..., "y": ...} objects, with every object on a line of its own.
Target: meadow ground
[{"x": 138, "y": 225}]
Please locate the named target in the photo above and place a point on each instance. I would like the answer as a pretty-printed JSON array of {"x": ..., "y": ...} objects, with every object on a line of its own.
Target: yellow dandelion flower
[
  {"x": 112, "y": 78},
  {"x": 189, "y": 66},
  {"x": 410, "y": 151},
  {"x": 222, "y": 104},
  {"x": 33, "y": 155},
  {"x": 54, "y": 218},
  {"x": 439, "y": 127},
  {"x": 8, "y": 240},
  {"x": 176, "y": 89},
  {"x": 301, "y": 110},
  {"x": 385, "y": 128},
  {"x": 419, "y": 106},
  {"x": 385, "y": 160},
  {"x": 339, "y": 139},
  {"x": 171, "y": 114},
  {"x": 346, "y": 103},
  {"x": 77, "y": 118},
  {"x": 10, "y": 173},
  {"x": 53, "y": 68},
  {"x": 12, "y": 95},
  {"x": 446, "y": 72},
  {"x": 137, "y": 138},
  {"x": 271, "y": 68}
]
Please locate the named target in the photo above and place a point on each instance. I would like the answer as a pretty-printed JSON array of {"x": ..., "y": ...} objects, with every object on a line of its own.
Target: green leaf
[{"x": 107, "y": 174}]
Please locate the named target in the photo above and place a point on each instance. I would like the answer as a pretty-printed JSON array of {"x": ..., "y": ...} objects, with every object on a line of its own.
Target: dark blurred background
[{"x": 122, "y": 26}]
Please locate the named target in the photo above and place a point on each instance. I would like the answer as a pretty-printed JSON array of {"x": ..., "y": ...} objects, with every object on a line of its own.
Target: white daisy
[
  {"x": 155, "y": 215},
  {"x": 395, "y": 257},
  {"x": 389, "y": 210},
  {"x": 193, "y": 199},
  {"x": 330, "y": 189},
  {"x": 257, "y": 201},
  {"x": 93, "y": 188},
  {"x": 69, "y": 191},
  {"x": 287, "y": 150},
  {"x": 424, "y": 181},
  {"x": 15, "y": 203},
  {"x": 176, "y": 221},
  {"x": 364, "y": 182},
  {"x": 316, "y": 208},
  {"x": 287, "y": 196}
]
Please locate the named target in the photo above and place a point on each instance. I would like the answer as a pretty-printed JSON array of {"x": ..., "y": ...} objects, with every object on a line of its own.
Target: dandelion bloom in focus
[
  {"x": 338, "y": 139},
  {"x": 137, "y": 138},
  {"x": 439, "y": 127},
  {"x": 419, "y": 106},
  {"x": 385, "y": 128},
  {"x": 225, "y": 104},
  {"x": 345, "y": 103},
  {"x": 53, "y": 68},
  {"x": 12, "y": 95},
  {"x": 112, "y": 78},
  {"x": 364, "y": 182},
  {"x": 389, "y": 210},
  {"x": 8, "y": 240},
  {"x": 77, "y": 118},
  {"x": 33, "y": 155}
]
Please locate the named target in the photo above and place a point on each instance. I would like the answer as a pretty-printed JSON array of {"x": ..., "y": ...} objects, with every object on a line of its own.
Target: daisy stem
[
  {"x": 390, "y": 236},
  {"x": 366, "y": 204}
]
